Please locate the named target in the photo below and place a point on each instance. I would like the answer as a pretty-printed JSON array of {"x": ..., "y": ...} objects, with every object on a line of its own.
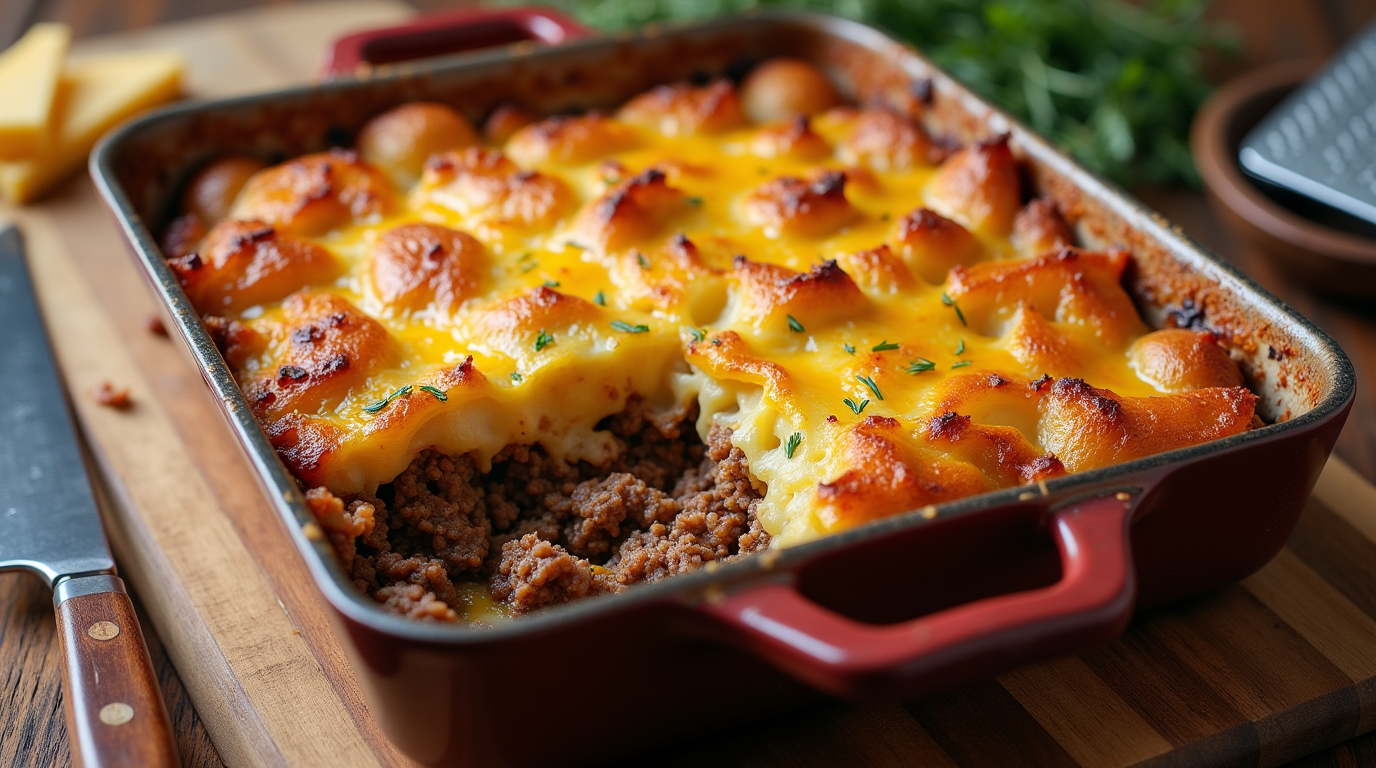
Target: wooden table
[{"x": 32, "y": 730}]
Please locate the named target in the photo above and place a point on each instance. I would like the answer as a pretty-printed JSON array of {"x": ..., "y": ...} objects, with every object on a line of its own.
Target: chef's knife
[{"x": 50, "y": 526}]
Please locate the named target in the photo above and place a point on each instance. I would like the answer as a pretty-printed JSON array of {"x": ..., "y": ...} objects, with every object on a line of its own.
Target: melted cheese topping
[{"x": 865, "y": 313}]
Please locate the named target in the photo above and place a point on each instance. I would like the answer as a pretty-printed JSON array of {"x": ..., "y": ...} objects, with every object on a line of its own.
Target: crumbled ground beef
[{"x": 539, "y": 531}]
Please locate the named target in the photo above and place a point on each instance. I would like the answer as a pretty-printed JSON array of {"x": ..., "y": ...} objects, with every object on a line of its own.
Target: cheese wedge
[
  {"x": 95, "y": 95},
  {"x": 29, "y": 74}
]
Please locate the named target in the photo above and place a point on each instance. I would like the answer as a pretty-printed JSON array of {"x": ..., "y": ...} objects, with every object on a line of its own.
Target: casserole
[{"x": 1047, "y": 571}]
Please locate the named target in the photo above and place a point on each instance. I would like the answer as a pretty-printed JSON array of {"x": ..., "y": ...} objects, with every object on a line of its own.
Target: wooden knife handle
[{"x": 115, "y": 712}]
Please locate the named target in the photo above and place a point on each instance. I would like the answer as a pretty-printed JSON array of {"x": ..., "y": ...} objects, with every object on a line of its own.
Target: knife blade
[{"x": 50, "y": 525}]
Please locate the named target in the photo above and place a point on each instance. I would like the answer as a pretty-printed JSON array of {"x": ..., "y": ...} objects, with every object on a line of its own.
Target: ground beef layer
[{"x": 539, "y": 531}]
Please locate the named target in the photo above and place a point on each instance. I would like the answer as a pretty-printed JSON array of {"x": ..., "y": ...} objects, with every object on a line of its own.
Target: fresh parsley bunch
[{"x": 1114, "y": 82}]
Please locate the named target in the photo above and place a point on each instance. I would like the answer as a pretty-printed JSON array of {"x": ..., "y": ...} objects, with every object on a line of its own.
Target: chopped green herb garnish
[
  {"x": 529, "y": 267},
  {"x": 525, "y": 256},
  {"x": 543, "y": 340},
  {"x": 849, "y": 349},
  {"x": 551, "y": 283},
  {"x": 573, "y": 244},
  {"x": 698, "y": 334},
  {"x": 884, "y": 216},
  {"x": 625, "y": 327},
  {"x": 694, "y": 200},
  {"x": 963, "y": 363},
  {"x": 439, "y": 395},
  {"x": 402, "y": 391},
  {"x": 960, "y": 348},
  {"x": 950, "y": 302},
  {"x": 869, "y": 382},
  {"x": 644, "y": 262},
  {"x": 794, "y": 440},
  {"x": 856, "y": 409},
  {"x": 600, "y": 299},
  {"x": 515, "y": 376},
  {"x": 922, "y": 365},
  {"x": 794, "y": 325},
  {"x": 884, "y": 346}
]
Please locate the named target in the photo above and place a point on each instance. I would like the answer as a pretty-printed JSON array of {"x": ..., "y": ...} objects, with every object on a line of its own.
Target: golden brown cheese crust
[
  {"x": 874, "y": 314},
  {"x": 401, "y": 139},
  {"x": 244, "y": 263},
  {"x": 314, "y": 194},
  {"x": 682, "y": 109},
  {"x": 482, "y": 185},
  {"x": 418, "y": 265}
]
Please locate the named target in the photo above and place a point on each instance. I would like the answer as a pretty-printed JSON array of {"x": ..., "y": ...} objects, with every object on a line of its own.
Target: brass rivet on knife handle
[
  {"x": 115, "y": 712},
  {"x": 103, "y": 630}
]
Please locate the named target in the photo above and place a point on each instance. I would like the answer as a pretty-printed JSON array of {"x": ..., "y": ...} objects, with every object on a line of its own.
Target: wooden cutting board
[{"x": 1260, "y": 673}]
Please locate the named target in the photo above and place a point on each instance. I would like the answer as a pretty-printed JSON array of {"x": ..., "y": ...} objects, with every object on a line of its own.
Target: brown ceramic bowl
[{"x": 1324, "y": 256}]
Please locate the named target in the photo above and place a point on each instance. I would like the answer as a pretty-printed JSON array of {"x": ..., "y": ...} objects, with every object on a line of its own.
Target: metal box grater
[{"x": 1321, "y": 141}]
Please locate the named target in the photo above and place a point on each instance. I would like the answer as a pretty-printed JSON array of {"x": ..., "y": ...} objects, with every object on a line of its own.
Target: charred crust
[
  {"x": 830, "y": 184},
  {"x": 948, "y": 426},
  {"x": 1188, "y": 315},
  {"x": 1273, "y": 353},
  {"x": 923, "y": 90},
  {"x": 1077, "y": 389},
  {"x": 996, "y": 380},
  {"x": 922, "y": 221},
  {"x": 187, "y": 265},
  {"x": 1041, "y": 383},
  {"x": 827, "y": 272},
  {"x": 291, "y": 374},
  {"x": 259, "y": 234}
]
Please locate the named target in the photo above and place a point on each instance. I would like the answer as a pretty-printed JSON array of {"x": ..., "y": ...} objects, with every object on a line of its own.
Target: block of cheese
[
  {"x": 29, "y": 74},
  {"x": 95, "y": 95}
]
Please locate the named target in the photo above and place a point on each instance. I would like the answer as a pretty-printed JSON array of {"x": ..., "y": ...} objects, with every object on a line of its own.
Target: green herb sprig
[
  {"x": 1114, "y": 82},
  {"x": 869, "y": 382},
  {"x": 438, "y": 393},
  {"x": 794, "y": 440},
  {"x": 625, "y": 327},
  {"x": 950, "y": 302},
  {"x": 543, "y": 340},
  {"x": 374, "y": 407},
  {"x": 856, "y": 408}
]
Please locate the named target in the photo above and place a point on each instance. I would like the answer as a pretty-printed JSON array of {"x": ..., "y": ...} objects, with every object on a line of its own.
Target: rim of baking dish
[{"x": 687, "y": 589}]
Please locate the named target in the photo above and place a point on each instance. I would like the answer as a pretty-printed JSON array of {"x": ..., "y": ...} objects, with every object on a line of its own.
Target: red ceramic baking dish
[{"x": 896, "y": 608}]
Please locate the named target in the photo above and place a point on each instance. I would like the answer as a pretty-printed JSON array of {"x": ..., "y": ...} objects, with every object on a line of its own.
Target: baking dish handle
[
  {"x": 444, "y": 33},
  {"x": 1091, "y": 603}
]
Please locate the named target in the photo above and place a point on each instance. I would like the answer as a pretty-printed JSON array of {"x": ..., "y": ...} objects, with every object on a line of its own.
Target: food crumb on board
[
  {"x": 313, "y": 531},
  {"x": 111, "y": 396},
  {"x": 154, "y": 325}
]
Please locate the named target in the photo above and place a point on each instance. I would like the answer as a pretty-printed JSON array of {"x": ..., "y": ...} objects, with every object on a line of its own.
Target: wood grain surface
[{"x": 1264, "y": 672}]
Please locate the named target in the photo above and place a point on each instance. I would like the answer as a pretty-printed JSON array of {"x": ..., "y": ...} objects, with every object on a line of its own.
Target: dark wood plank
[
  {"x": 1339, "y": 553},
  {"x": 33, "y": 732},
  {"x": 981, "y": 724}
]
